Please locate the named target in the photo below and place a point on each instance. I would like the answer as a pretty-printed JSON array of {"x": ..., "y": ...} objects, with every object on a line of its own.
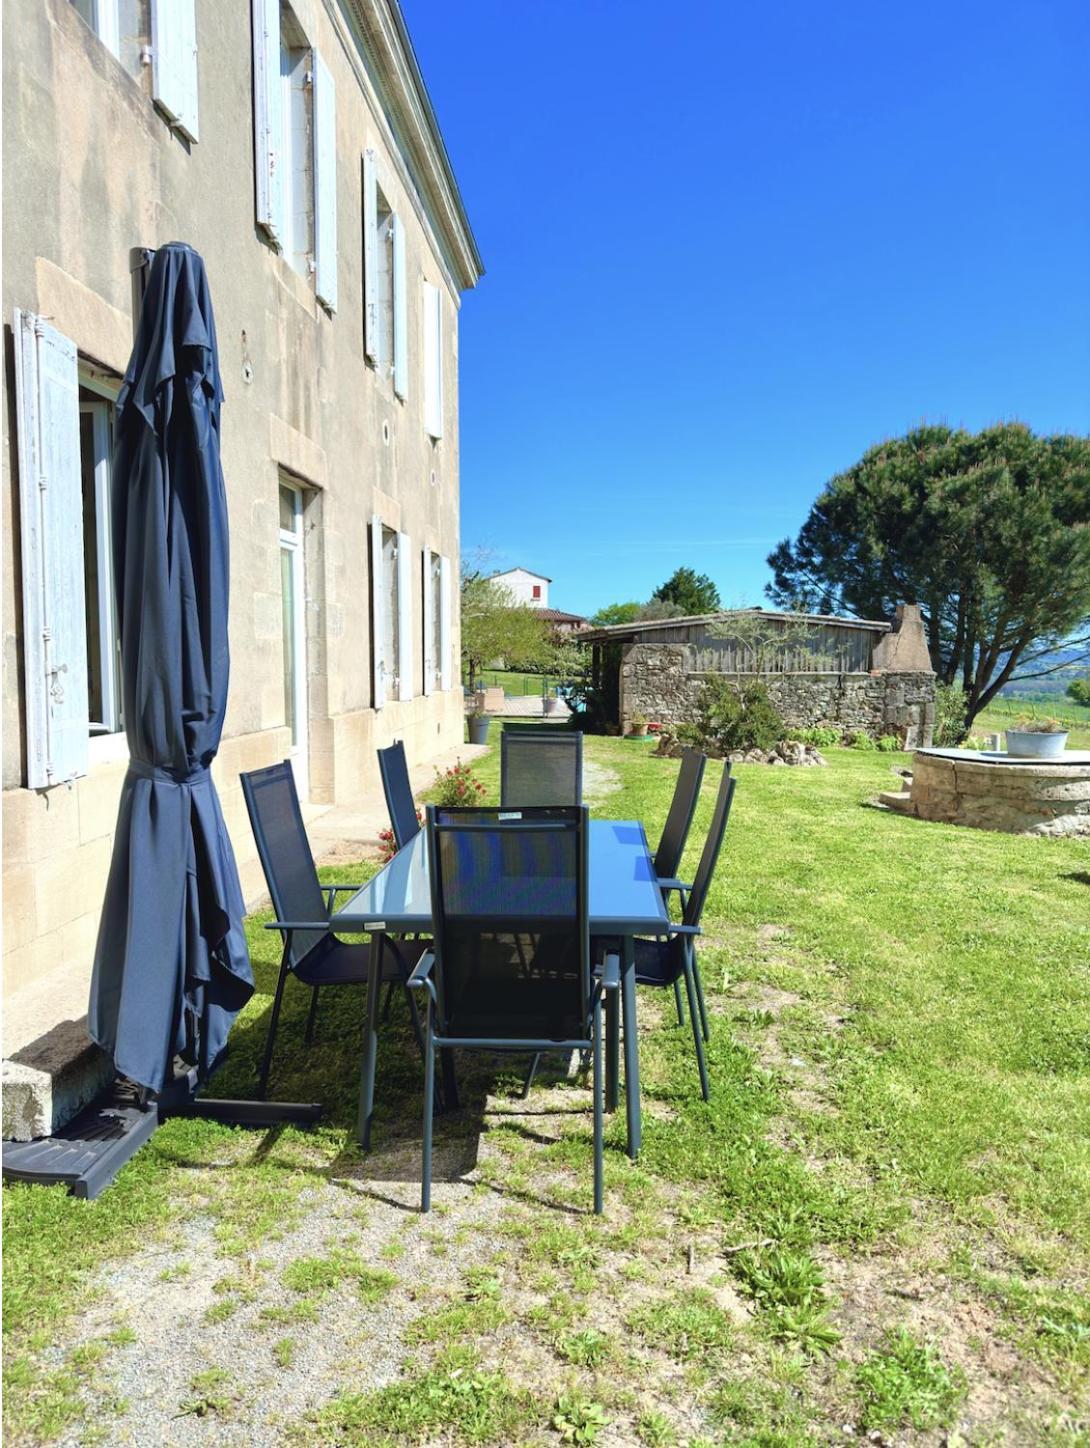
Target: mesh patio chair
[
  {"x": 670, "y": 962},
  {"x": 312, "y": 953},
  {"x": 495, "y": 879},
  {"x": 541, "y": 767},
  {"x": 671, "y": 848},
  {"x": 399, "y": 793}
]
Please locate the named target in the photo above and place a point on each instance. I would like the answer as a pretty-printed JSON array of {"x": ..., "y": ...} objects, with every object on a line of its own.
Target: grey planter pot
[
  {"x": 478, "y": 728},
  {"x": 1036, "y": 746}
]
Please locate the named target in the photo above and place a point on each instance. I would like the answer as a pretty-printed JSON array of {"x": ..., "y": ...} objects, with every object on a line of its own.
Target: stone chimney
[{"x": 904, "y": 649}]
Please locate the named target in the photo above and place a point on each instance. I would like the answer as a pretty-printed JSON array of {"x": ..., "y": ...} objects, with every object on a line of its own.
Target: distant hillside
[{"x": 1075, "y": 664}]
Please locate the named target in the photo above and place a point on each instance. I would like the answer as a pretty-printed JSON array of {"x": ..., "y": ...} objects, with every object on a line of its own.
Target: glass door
[{"x": 293, "y": 596}]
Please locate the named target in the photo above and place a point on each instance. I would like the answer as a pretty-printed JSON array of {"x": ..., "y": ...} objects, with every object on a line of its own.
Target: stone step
[{"x": 897, "y": 799}]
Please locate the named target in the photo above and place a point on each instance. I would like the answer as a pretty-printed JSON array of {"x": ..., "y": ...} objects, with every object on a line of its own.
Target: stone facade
[
  {"x": 93, "y": 168},
  {"x": 1038, "y": 799},
  {"x": 656, "y": 683}
]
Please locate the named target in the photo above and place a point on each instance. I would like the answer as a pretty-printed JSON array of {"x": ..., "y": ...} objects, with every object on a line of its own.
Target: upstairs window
[
  {"x": 385, "y": 301},
  {"x": 96, "y": 426},
  {"x": 160, "y": 34},
  {"x": 295, "y": 146},
  {"x": 537, "y": 590}
]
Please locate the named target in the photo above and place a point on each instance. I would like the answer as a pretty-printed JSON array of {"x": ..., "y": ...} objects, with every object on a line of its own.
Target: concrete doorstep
[{"x": 52, "y": 1069}]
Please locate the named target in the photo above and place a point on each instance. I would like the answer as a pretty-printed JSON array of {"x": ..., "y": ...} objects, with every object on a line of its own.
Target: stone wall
[
  {"x": 655, "y": 683},
  {"x": 1022, "y": 798}
]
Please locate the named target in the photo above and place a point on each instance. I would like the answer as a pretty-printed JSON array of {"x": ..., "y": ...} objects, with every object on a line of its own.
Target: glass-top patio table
[{"x": 625, "y": 901}]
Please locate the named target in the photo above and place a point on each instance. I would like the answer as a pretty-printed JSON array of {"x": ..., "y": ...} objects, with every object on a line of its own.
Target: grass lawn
[
  {"x": 1002, "y": 713},
  {"x": 881, "y": 1219},
  {"x": 514, "y": 683}
]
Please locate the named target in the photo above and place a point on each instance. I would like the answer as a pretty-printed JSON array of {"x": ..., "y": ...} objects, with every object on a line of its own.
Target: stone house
[
  {"x": 853, "y": 674},
  {"x": 293, "y": 144}
]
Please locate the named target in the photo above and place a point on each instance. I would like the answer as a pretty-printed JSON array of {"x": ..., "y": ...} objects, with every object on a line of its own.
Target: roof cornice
[{"x": 381, "y": 29}]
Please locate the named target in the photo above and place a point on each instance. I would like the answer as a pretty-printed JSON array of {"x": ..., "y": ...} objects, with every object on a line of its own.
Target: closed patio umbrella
[{"x": 172, "y": 967}]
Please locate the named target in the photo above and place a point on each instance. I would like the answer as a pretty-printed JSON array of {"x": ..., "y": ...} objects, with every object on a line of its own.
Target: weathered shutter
[
  {"x": 325, "y": 184},
  {"x": 429, "y": 621},
  {"x": 401, "y": 312},
  {"x": 370, "y": 256},
  {"x": 268, "y": 117},
  {"x": 378, "y": 613},
  {"x": 174, "y": 61},
  {"x": 445, "y": 660},
  {"x": 404, "y": 616},
  {"x": 433, "y": 361},
  {"x": 51, "y": 531}
]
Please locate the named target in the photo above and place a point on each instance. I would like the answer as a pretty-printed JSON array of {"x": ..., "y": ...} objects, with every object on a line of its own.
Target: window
[
  {"x": 295, "y": 146},
  {"x": 96, "y": 418},
  {"x": 297, "y": 218},
  {"x": 391, "y": 613},
  {"x": 293, "y": 626},
  {"x": 159, "y": 33},
  {"x": 433, "y": 621},
  {"x": 433, "y": 361},
  {"x": 537, "y": 590},
  {"x": 385, "y": 301}
]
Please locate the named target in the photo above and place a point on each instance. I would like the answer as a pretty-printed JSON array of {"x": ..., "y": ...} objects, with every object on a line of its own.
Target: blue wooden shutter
[
  {"x": 325, "y": 185},
  {"x": 378, "y": 614},
  {"x": 174, "y": 62},
  {"x": 401, "y": 312},
  {"x": 445, "y": 659},
  {"x": 51, "y": 534},
  {"x": 268, "y": 117},
  {"x": 370, "y": 256}
]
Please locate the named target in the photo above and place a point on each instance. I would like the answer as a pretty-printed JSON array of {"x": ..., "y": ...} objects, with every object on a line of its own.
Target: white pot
[{"x": 1036, "y": 746}]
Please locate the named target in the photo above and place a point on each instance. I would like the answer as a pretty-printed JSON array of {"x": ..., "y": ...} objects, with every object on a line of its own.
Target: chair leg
[
  {"x": 613, "y": 1051},
  {"x": 414, "y": 1015},
  {"x": 312, "y": 1016},
  {"x": 429, "y": 1111},
  {"x": 698, "y": 1039},
  {"x": 535, "y": 1062},
  {"x": 677, "y": 1003},
  {"x": 599, "y": 1169},
  {"x": 389, "y": 998},
  {"x": 263, "y": 1079},
  {"x": 700, "y": 999}
]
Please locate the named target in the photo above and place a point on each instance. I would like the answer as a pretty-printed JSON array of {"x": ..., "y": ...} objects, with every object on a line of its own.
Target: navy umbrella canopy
[{"x": 171, "y": 967}]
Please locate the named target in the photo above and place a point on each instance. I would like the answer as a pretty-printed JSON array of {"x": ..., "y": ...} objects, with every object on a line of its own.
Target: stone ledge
[{"x": 47, "y": 1082}]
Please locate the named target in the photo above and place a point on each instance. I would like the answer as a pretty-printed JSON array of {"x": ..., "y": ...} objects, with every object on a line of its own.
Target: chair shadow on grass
[{"x": 328, "y": 1072}]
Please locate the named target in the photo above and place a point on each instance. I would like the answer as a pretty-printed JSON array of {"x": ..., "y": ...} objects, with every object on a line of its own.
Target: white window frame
[
  {"x": 446, "y": 660},
  {"x": 296, "y": 229},
  {"x": 100, "y": 411},
  {"x": 291, "y": 541}
]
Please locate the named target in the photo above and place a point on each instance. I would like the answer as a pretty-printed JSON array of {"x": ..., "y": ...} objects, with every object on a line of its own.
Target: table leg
[
  {"x": 612, "y": 1064},
  {"x": 631, "y": 1049},
  {"x": 370, "y": 1042}
]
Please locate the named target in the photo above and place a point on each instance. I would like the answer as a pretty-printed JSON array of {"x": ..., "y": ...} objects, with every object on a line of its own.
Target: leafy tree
[
  {"x": 1079, "y": 690},
  {"x": 616, "y": 613},
  {"x": 987, "y": 532},
  {"x": 692, "y": 592},
  {"x": 496, "y": 626}
]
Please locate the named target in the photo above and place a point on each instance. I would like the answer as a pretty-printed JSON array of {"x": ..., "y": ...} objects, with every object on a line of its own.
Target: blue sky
[{"x": 729, "y": 246}]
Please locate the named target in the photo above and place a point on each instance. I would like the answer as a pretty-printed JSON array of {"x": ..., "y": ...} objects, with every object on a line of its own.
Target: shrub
[
  {"x": 888, "y": 743},
  {"x": 822, "y": 736},
  {"x": 949, "y": 715},
  {"x": 860, "y": 739},
  {"x": 731, "y": 718},
  {"x": 457, "y": 785}
]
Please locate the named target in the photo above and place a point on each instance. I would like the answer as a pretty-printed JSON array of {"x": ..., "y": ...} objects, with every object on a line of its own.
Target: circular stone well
[{"x": 1002, "y": 791}]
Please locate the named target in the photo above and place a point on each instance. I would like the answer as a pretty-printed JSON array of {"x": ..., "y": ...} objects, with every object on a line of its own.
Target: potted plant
[
  {"x": 1037, "y": 738},
  {"x": 478, "y": 723},
  {"x": 637, "y": 727}
]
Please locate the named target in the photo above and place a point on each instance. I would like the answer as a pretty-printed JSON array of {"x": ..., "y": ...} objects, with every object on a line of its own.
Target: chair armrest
[
  {"x": 685, "y": 930},
  {"x": 671, "y": 884},
  {"x": 611, "y": 972},
  {"x": 421, "y": 977},
  {"x": 297, "y": 925},
  {"x": 335, "y": 888}
]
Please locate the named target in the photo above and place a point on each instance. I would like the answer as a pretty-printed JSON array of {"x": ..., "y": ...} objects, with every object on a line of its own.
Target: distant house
[
  {"x": 853, "y": 674},
  {"x": 532, "y": 589}
]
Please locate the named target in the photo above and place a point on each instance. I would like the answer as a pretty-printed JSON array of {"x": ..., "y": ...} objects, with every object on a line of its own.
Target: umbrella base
[
  {"x": 179, "y": 1098},
  {"x": 87, "y": 1154}
]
